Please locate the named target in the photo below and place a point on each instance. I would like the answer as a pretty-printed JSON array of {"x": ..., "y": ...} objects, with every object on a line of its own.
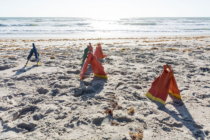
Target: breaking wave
[
  {"x": 63, "y": 25},
  {"x": 140, "y": 24},
  {"x": 19, "y": 24},
  {"x": 199, "y": 29}
]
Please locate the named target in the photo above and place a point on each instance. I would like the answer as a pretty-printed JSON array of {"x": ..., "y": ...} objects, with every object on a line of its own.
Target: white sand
[{"x": 50, "y": 101}]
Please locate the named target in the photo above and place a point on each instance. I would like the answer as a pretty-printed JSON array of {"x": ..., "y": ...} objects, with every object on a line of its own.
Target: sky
[{"x": 105, "y": 8}]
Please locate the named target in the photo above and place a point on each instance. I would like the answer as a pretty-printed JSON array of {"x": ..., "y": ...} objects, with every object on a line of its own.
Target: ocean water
[{"x": 85, "y": 26}]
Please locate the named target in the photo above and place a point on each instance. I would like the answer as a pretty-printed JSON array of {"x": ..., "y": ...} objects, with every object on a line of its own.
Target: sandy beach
[{"x": 51, "y": 102}]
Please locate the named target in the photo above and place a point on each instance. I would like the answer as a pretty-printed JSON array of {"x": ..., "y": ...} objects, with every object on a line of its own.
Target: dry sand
[{"x": 50, "y": 101}]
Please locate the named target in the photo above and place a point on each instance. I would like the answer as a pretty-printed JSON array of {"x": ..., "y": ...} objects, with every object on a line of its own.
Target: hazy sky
[{"x": 104, "y": 8}]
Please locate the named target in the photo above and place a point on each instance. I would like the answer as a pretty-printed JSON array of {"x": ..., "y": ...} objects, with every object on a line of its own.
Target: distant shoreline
[{"x": 94, "y": 35}]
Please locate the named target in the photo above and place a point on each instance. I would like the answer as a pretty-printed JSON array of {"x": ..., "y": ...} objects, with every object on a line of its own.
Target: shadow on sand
[
  {"x": 90, "y": 88},
  {"x": 22, "y": 70},
  {"x": 183, "y": 116},
  {"x": 95, "y": 86}
]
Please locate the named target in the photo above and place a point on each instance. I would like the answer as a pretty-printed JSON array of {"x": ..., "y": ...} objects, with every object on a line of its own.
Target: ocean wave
[
  {"x": 3, "y": 18},
  {"x": 189, "y": 22},
  {"x": 59, "y": 31},
  {"x": 139, "y": 23},
  {"x": 66, "y": 19},
  {"x": 31, "y": 25},
  {"x": 71, "y": 24},
  {"x": 198, "y": 29},
  {"x": 198, "y": 18},
  {"x": 18, "y": 24},
  {"x": 3, "y": 25},
  {"x": 149, "y": 19},
  {"x": 83, "y": 24},
  {"x": 61, "y": 25},
  {"x": 56, "y": 25},
  {"x": 38, "y": 20}
]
